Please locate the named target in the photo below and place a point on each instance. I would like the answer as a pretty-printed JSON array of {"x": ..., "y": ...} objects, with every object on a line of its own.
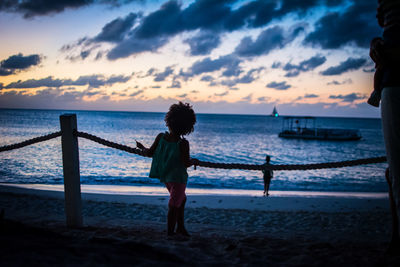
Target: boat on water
[
  {"x": 305, "y": 128},
  {"x": 274, "y": 112}
]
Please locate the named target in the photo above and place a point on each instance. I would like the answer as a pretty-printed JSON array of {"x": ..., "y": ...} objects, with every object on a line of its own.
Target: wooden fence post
[{"x": 70, "y": 157}]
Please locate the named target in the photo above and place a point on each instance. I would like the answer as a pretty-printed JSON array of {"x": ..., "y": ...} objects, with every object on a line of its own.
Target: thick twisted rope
[
  {"x": 105, "y": 142},
  {"x": 255, "y": 167},
  {"x": 293, "y": 167},
  {"x": 30, "y": 141}
]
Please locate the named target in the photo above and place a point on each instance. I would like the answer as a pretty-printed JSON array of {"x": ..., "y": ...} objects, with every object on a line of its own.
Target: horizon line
[{"x": 203, "y": 113}]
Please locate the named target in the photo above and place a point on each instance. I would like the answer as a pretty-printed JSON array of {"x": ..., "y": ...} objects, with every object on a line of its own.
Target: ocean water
[{"x": 217, "y": 138}]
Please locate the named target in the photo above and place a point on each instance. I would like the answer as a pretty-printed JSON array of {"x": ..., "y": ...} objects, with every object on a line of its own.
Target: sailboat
[{"x": 274, "y": 112}]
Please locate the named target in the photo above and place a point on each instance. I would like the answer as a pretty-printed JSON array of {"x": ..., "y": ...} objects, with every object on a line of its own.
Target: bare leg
[
  {"x": 172, "y": 216},
  {"x": 181, "y": 220},
  {"x": 267, "y": 186},
  {"x": 395, "y": 242}
]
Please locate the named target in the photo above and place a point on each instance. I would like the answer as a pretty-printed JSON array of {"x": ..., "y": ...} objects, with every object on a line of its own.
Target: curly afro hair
[{"x": 180, "y": 118}]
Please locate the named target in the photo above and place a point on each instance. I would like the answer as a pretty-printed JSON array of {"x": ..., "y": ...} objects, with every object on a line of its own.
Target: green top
[{"x": 167, "y": 164}]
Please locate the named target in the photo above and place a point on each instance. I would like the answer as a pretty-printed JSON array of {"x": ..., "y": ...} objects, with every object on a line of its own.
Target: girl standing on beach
[{"x": 171, "y": 158}]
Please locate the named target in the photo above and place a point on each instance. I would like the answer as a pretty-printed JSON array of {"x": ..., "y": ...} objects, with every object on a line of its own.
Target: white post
[{"x": 72, "y": 185}]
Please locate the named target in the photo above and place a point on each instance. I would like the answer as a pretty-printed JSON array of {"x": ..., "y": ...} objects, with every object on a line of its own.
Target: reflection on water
[{"x": 217, "y": 138}]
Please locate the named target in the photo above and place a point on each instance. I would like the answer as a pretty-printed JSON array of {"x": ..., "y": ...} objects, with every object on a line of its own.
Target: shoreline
[
  {"x": 217, "y": 198},
  {"x": 161, "y": 191}
]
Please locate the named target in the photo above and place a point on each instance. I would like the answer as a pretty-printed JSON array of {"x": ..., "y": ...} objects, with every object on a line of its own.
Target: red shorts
[{"x": 176, "y": 193}]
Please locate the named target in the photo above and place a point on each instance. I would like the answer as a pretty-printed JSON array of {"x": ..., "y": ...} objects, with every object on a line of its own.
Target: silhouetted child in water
[
  {"x": 171, "y": 158},
  {"x": 268, "y": 174}
]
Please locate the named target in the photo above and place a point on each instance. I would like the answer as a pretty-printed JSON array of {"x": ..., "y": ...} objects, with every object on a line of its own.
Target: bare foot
[
  {"x": 182, "y": 232},
  {"x": 169, "y": 233}
]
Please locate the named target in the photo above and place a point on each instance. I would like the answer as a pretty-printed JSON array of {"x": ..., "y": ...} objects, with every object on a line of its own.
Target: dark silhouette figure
[
  {"x": 386, "y": 53},
  {"x": 171, "y": 158},
  {"x": 268, "y": 174}
]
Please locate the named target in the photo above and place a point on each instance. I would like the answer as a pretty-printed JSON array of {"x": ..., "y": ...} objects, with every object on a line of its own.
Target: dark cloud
[
  {"x": 170, "y": 19},
  {"x": 96, "y": 81},
  {"x": 306, "y": 65},
  {"x": 334, "y": 82},
  {"x": 349, "y": 97},
  {"x": 344, "y": 66},
  {"x": 207, "y": 78},
  {"x": 247, "y": 98},
  {"x": 134, "y": 45},
  {"x": 279, "y": 85},
  {"x": 217, "y": 16},
  {"x": 99, "y": 55},
  {"x": 210, "y": 18},
  {"x": 69, "y": 47},
  {"x": 32, "y": 8},
  {"x": 164, "y": 21},
  {"x": 175, "y": 84},
  {"x": 369, "y": 70},
  {"x": 161, "y": 76},
  {"x": 253, "y": 14},
  {"x": 93, "y": 81},
  {"x": 268, "y": 40},
  {"x": 228, "y": 63},
  {"x": 33, "y": 83},
  {"x": 85, "y": 54},
  {"x": 203, "y": 43},
  {"x": 311, "y": 96},
  {"x": 276, "y": 65},
  {"x": 136, "y": 93},
  {"x": 151, "y": 71},
  {"x": 356, "y": 25},
  {"x": 5, "y": 72},
  {"x": 263, "y": 99},
  {"x": 18, "y": 62},
  {"x": 249, "y": 77},
  {"x": 222, "y": 94},
  {"x": 115, "y": 30}
]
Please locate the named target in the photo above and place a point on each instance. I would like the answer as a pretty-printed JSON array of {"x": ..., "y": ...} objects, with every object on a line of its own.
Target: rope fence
[
  {"x": 105, "y": 142},
  {"x": 206, "y": 164},
  {"x": 253, "y": 167},
  {"x": 30, "y": 141}
]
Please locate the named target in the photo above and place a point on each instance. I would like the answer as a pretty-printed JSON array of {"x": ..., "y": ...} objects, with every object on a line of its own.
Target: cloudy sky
[{"x": 306, "y": 57}]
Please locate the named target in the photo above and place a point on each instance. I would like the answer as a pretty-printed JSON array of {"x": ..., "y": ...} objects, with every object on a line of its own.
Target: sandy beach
[{"x": 127, "y": 228}]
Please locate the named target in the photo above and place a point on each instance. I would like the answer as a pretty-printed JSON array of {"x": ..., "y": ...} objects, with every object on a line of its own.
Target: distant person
[
  {"x": 389, "y": 54},
  {"x": 171, "y": 158},
  {"x": 298, "y": 126},
  {"x": 268, "y": 174}
]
